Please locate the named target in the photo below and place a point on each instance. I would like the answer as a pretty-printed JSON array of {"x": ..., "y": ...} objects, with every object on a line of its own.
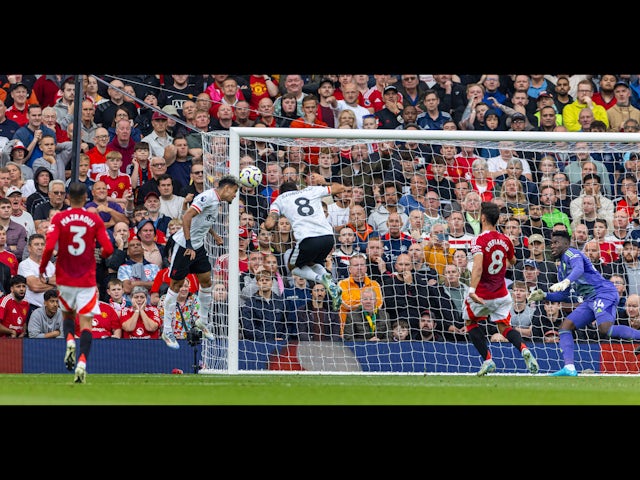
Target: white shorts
[
  {"x": 84, "y": 300},
  {"x": 494, "y": 310}
]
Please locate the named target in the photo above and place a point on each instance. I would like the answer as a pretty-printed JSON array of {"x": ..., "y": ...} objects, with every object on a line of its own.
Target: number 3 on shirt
[{"x": 77, "y": 246}]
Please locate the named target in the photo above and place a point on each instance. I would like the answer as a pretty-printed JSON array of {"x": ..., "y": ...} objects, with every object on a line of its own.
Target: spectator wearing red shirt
[
  {"x": 262, "y": 86},
  {"x": 604, "y": 95},
  {"x": 20, "y": 107},
  {"x": 97, "y": 154},
  {"x": 105, "y": 324},
  {"x": 455, "y": 170},
  {"x": 48, "y": 89},
  {"x": 140, "y": 321},
  {"x": 310, "y": 120},
  {"x": 374, "y": 97},
  {"x": 7, "y": 257},
  {"x": 118, "y": 183},
  {"x": 481, "y": 182},
  {"x": 14, "y": 309}
]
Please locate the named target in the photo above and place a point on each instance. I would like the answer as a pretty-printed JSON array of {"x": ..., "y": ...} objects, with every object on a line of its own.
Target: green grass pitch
[{"x": 324, "y": 389}]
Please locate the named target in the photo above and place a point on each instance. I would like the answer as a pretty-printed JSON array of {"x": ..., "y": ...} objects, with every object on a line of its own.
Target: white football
[{"x": 250, "y": 176}]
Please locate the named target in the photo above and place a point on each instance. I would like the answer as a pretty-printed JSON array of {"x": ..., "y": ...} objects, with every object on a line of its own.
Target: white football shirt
[
  {"x": 206, "y": 203},
  {"x": 304, "y": 210}
]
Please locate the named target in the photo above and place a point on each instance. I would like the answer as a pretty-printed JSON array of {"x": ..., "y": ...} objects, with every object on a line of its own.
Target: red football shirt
[
  {"x": 116, "y": 187},
  {"x": 97, "y": 163},
  {"x": 10, "y": 260},
  {"x": 495, "y": 248},
  {"x": 76, "y": 230},
  {"x": 140, "y": 332},
  {"x": 104, "y": 323},
  {"x": 14, "y": 314}
]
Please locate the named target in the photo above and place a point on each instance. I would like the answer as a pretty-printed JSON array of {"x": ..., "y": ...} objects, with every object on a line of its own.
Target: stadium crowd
[{"x": 403, "y": 227}]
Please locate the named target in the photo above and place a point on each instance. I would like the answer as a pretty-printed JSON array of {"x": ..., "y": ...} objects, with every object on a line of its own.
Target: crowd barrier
[{"x": 152, "y": 356}]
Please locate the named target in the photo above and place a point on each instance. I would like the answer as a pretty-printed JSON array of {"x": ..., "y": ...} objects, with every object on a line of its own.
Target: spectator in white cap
[
  {"x": 18, "y": 212},
  {"x": 15, "y": 151},
  {"x": 172, "y": 115}
]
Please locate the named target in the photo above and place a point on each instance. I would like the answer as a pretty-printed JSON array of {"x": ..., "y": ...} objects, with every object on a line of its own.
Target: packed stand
[{"x": 403, "y": 224}]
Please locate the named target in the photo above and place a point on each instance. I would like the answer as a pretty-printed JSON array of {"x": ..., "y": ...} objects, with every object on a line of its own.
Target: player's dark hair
[
  {"x": 288, "y": 187},
  {"x": 491, "y": 212},
  {"x": 228, "y": 180},
  {"x": 77, "y": 191},
  {"x": 561, "y": 233}
]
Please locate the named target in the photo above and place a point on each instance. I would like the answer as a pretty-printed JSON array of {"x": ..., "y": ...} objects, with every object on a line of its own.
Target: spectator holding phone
[{"x": 437, "y": 250}]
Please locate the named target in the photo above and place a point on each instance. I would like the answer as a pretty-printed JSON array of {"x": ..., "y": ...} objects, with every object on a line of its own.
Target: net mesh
[{"x": 419, "y": 327}]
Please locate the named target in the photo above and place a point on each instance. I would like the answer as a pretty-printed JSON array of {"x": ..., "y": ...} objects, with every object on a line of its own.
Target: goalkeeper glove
[
  {"x": 560, "y": 286},
  {"x": 536, "y": 295}
]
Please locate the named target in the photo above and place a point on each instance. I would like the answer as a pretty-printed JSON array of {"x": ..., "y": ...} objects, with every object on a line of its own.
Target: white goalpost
[{"x": 238, "y": 350}]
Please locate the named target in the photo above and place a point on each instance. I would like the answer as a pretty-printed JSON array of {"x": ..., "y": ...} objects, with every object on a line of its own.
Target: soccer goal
[{"x": 414, "y": 324}]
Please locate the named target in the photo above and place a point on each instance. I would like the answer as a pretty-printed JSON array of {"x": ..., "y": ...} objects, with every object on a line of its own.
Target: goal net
[{"x": 403, "y": 230}]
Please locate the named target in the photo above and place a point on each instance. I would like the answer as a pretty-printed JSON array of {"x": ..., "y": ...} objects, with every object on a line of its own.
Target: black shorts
[
  {"x": 312, "y": 250},
  {"x": 182, "y": 265}
]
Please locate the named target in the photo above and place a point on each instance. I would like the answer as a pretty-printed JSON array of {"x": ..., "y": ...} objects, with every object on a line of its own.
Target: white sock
[
  {"x": 204, "y": 295},
  {"x": 169, "y": 311},
  {"x": 319, "y": 269},
  {"x": 305, "y": 272},
  {"x": 570, "y": 367}
]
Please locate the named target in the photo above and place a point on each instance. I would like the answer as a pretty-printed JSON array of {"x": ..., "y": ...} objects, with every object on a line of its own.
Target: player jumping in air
[
  {"x": 311, "y": 229},
  {"x": 190, "y": 255}
]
